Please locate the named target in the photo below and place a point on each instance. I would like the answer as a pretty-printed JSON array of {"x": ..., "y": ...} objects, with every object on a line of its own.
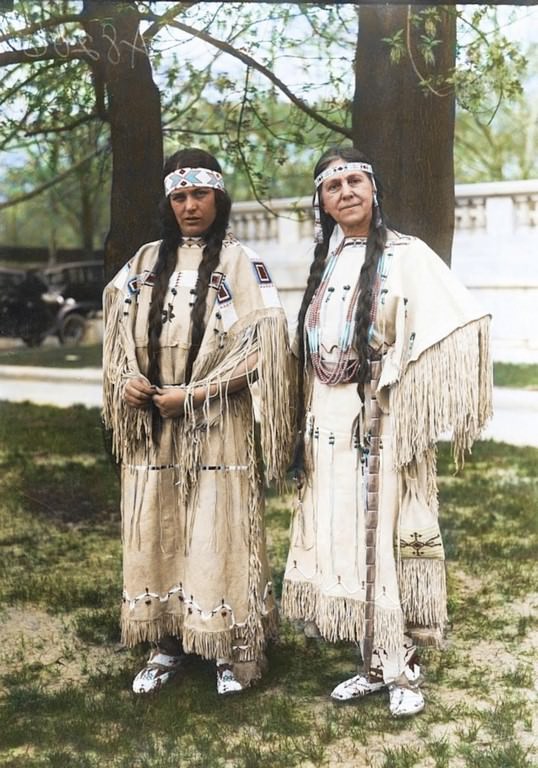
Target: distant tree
[
  {"x": 500, "y": 142},
  {"x": 72, "y": 170},
  {"x": 54, "y": 59}
]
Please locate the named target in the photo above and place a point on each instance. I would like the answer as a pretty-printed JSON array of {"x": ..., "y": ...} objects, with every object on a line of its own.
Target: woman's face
[
  {"x": 194, "y": 208},
  {"x": 348, "y": 197}
]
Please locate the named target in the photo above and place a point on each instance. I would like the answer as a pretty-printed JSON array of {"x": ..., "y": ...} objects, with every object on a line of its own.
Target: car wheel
[{"x": 72, "y": 329}]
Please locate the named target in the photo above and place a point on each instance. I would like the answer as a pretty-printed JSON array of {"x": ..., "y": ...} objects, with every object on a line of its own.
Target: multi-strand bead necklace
[{"x": 342, "y": 369}]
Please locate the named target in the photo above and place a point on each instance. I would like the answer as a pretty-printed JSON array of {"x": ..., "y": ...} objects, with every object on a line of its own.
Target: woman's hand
[
  {"x": 170, "y": 401},
  {"x": 138, "y": 393}
]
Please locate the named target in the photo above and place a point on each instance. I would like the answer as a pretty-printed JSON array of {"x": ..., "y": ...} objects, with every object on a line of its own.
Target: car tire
[{"x": 72, "y": 329}]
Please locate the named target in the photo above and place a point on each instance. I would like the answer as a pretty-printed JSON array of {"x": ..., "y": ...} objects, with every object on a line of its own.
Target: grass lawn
[
  {"x": 65, "y": 699},
  {"x": 515, "y": 375},
  {"x": 53, "y": 354}
]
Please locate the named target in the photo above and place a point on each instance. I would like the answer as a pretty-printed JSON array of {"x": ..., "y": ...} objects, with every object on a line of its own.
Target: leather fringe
[
  {"x": 340, "y": 618},
  {"x": 423, "y": 592},
  {"x": 130, "y": 427},
  {"x": 449, "y": 388},
  {"x": 231, "y": 643}
]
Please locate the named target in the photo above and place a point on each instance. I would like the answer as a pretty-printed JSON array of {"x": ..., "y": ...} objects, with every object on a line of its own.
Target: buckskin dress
[
  {"x": 365, "y": 542},
  {"x": 194, "y": 556}
]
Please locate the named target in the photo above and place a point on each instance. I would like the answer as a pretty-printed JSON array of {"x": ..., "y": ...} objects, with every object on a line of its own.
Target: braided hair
[
  {"x": 375, "y": 246},
  {"x": 172, "y": 238}
]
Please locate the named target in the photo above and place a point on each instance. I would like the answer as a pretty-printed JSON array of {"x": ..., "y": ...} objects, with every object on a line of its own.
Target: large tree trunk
[
  {"x": 408, "y": 133},
  {"x": 133, "y": 110}
]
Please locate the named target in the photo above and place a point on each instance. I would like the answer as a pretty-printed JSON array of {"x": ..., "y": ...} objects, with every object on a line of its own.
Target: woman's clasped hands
[{"x": 169, "y": 401}]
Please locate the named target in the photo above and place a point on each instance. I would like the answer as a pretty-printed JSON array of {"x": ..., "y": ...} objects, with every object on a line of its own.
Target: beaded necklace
[{"x": 344, "y": 368}]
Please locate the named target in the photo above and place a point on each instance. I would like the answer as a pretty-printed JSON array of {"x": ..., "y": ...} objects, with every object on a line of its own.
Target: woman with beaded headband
[
  {"x": 392, "y": 352},
  {"x": 192, "y": 322}
]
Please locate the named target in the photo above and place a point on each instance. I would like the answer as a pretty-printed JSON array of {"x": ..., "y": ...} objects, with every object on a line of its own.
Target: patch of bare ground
[
  {"x": 467, "y": 584},
  {"x": 32, "y": 640},
  {"x": 495, "y": 660}
]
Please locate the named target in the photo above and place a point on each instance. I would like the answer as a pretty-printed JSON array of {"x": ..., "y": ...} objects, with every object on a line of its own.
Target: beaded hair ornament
[
  {"x": 192, "y": 177},
  {"x": 333, "y": 171}
]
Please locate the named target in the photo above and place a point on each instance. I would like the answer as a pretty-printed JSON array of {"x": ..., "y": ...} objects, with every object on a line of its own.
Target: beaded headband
[
  {"x": 333, "y": 171},
  {"x": 342, "y": 168},
  {"x": 192, "y": 177}
]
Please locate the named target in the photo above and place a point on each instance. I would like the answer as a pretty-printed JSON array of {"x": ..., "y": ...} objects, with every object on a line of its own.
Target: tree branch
[
  {"x": 62, "y": 128},
  {"x": 194, "y": 131},
  {"x": 244, "y": 160},
  {"x": 165, "y": 18},
  {"x": 99, "y": 89},
  {"x": 43, "y": 53},
  {"x": 253, "y": 64},
  {"x": 421, "y": 78},
  {"x": 13, "y": 90},
  {"x": 38, "y": 26}
]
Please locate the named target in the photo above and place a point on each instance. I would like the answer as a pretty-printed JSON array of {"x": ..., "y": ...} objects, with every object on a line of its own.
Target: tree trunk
[
  {"x": 407, "y": 132},
  {"x": 134, "y": 114}
]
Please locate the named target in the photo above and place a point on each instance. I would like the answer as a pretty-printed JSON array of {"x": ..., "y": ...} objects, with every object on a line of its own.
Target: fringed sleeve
[
  {"x": 265, "y": 336},
  {"x": 129, "y": 426},
  {"x": 448, "y": 389},
  {"x": 438, "y": 375},
  {"x": 276, "y": 379}
]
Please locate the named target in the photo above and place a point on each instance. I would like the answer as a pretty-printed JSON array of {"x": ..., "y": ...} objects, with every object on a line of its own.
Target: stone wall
[{"x": 495, "y": 254}]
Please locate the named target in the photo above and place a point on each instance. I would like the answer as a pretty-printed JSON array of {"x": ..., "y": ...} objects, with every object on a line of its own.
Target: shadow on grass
[{"x": 188, "y": 722}]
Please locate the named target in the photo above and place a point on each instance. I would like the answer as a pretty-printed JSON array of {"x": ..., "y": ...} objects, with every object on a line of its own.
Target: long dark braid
[
  {"x": 210, "y": 260},
  {"x": 375, "y": 245},
  {"x": 166, "y": 261},
  {"x": 314, "y": 279}
]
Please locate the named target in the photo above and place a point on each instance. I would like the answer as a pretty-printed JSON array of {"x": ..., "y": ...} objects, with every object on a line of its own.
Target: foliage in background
[
  {"x": 71, "y": 214},
  {"x": 209, "y": 96},
  {"x": 503, "y": 146},
  {"x": 65, "y": 694}
]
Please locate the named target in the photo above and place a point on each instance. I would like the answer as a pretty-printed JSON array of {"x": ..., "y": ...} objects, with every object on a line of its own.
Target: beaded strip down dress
[
  {"x": 194, "y": 559},
  {"x": 366, "y": 559}
]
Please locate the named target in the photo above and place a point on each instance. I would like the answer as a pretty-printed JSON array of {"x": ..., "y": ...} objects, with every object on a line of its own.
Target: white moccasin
[
  {"x": 159, "y": 670},
  {"x": 355, "y": 687},
  {"x": 226, "y": 680}
]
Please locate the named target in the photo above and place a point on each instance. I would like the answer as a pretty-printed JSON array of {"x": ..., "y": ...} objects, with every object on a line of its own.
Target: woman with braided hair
[
  {"x": 191, "y": 323},
  {"x": 393, "y": 352}
]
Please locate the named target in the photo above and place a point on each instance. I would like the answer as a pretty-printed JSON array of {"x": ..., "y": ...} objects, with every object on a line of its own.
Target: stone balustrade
[{"x": 495, "y": 254}]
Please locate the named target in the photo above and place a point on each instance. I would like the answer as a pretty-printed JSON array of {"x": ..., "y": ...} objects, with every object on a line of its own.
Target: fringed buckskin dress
[
  {"x": 194, "y": 557},
  {"x": 366, "y": 554}
]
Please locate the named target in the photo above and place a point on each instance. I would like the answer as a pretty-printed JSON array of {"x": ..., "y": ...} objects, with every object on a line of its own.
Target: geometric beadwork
[
  {"x": 216, "y": 280},
  {"x": 261, "y": 273},
  {"x": 224, "y": 294},
  {"x": 192, "y": 177}
]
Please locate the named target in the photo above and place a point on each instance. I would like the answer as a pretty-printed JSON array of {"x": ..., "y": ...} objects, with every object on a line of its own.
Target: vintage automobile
[
  {"x": 82, "y": 281},
  {"x": 54, "y": 301}
]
